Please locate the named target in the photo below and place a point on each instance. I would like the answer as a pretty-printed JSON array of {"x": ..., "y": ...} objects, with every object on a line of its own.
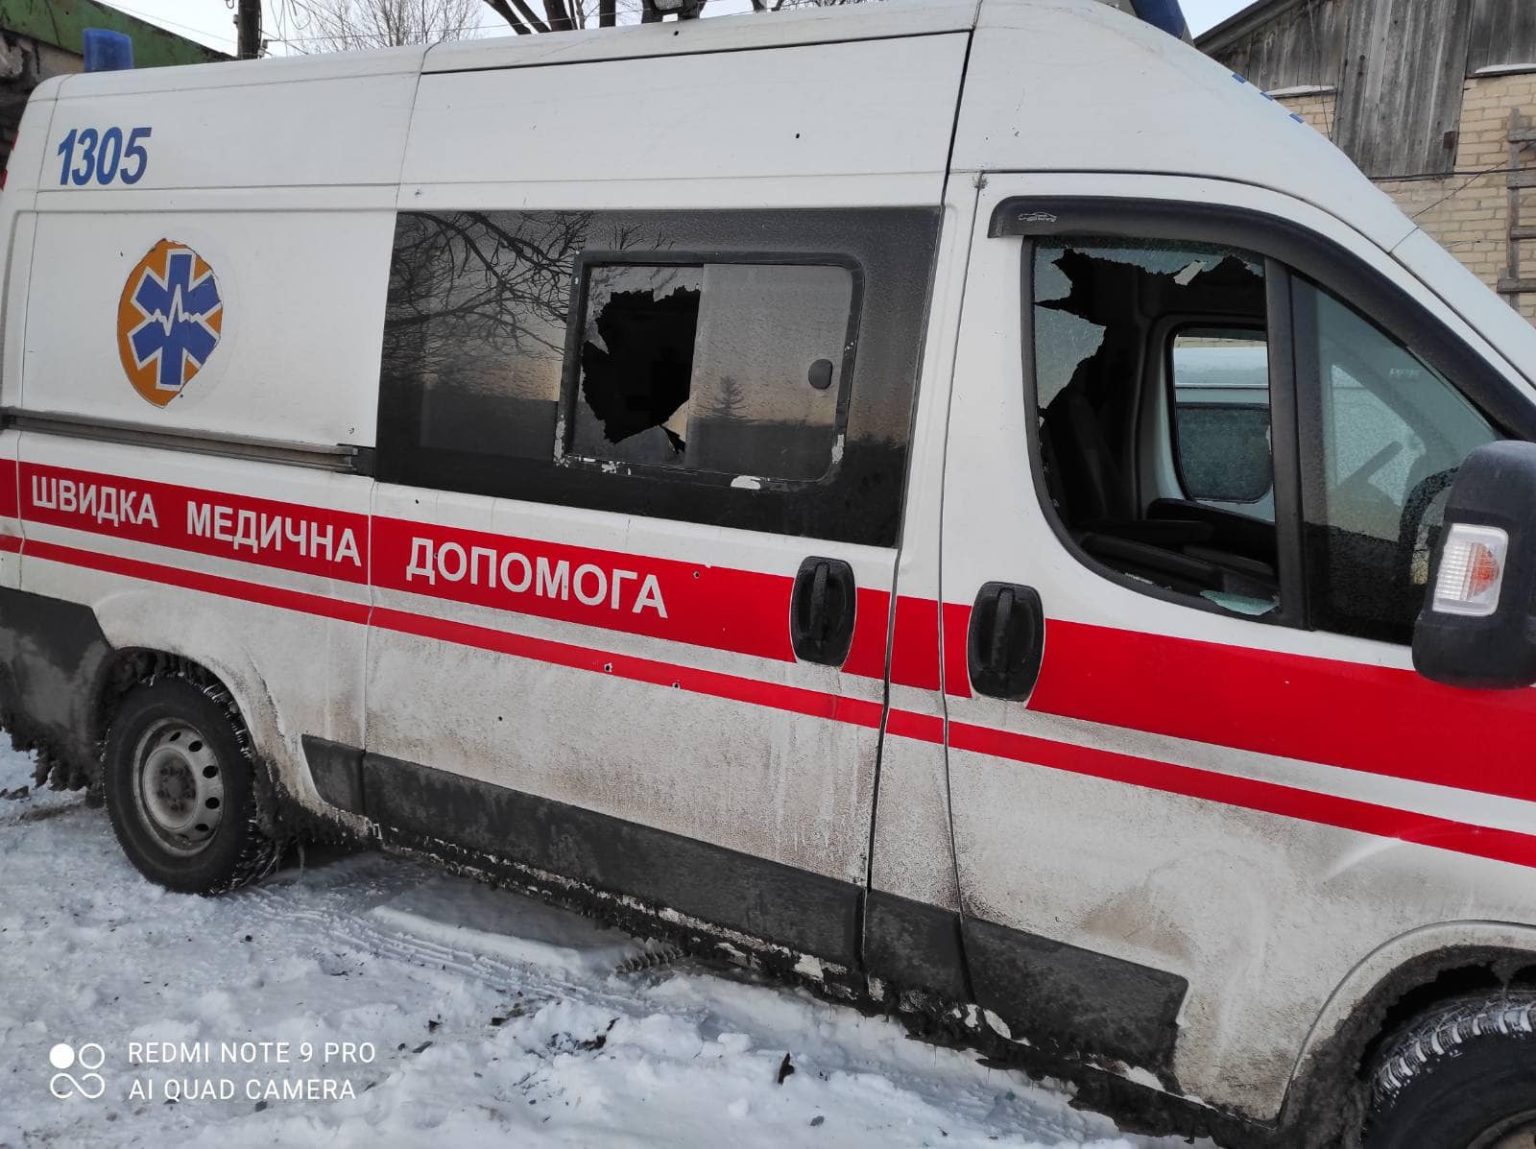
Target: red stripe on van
[
  {"x": 10, "y": 543},
  {"x": 919, "y": 727},
  {"x": 1376, "y": 719},
  {"x": 8, "y": 488},
  {"x": 196, "y": 580},
  {"x": 220, "y": 524},
  {"x": 1250, "y": 794},
  {"x": 1205, "y": 785},
  {"x": 721, "y": 608}
]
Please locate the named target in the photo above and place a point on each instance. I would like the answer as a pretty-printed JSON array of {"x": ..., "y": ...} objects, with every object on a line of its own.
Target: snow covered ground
[{"x": 477, "y": 1018}]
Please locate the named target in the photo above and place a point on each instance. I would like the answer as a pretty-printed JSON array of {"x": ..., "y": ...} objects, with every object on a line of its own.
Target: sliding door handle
[
  {"x": 821, "y": 612},
  {"x": 1006, "y": 640}
]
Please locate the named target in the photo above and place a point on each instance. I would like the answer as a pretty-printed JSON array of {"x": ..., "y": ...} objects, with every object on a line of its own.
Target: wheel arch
[
  {"x": 210, "y": 639},
  {"x": 202, "y": 646},
  {"x": 203, "y": 639},
  {"x": 1399, "y": 980}
]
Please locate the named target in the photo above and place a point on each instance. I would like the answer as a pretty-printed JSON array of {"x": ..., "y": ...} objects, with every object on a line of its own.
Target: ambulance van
[{"x": 968, "y": 503}]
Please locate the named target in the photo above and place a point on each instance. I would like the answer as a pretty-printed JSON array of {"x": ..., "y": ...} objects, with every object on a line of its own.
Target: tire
[
  {"x": 180, "y": 789},
  {"x": 1460, "y": 1077}
]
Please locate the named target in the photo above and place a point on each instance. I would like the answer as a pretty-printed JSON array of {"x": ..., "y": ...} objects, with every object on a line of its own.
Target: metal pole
[{"x": 248, "y": 29}]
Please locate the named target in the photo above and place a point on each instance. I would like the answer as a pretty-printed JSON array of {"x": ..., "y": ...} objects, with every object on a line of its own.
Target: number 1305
[{"x": 103, "y": 156}]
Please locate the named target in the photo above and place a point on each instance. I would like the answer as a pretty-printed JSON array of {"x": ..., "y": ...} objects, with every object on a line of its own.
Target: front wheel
[
  {"x": 1461, "y": 1077},
  {"x": 180, "y": 790}
]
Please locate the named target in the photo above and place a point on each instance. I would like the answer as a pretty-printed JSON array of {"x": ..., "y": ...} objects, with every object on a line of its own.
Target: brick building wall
[{"x": 1467, "y": 213}]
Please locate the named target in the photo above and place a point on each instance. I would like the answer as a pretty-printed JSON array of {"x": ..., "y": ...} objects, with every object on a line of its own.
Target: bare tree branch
[
  {"x": 501, "y": 9},
  {"x": 557, "y": 17},
  {"x": 350, "y": 25},
  {"x": 355, "y": 25},
  {"x": 527, "y": 14}
]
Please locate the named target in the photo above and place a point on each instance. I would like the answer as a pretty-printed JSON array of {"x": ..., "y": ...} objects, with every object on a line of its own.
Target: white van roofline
[
  {"x": 1069, "y": 86},
  {"x": 1051, "y": 85},
  {"x": 747, "y": 31},
  {"x": 890, "y": 19}
]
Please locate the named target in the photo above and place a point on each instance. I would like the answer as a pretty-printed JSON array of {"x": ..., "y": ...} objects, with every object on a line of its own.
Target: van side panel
[
  {"x": 205, "y": 275},
  {"x": 302, "y": 296},
  {"x": 864, "y": 123},
  {"x": 1190, "y": 793},
  {"x": 911, "y": 928},
  {"x": 336, "y": 120},
  {"x": 690, "y": 719},
  {"x": 254, "y": 570}
]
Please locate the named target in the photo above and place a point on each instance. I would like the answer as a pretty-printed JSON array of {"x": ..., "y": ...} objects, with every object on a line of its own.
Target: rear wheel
[
  {"x": 1461, "y": 1077},
  {"x": 180, "y": 789}
]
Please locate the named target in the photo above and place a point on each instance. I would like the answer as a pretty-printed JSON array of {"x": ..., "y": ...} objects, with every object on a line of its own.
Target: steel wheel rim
[
  {"x": 1517, "y": 1132},
  {"x": 178, "y": 786}
]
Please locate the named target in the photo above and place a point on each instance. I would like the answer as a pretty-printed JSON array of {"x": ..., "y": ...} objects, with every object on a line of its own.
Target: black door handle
[
  {"x": 821, "y": 612},
  {"x": 1006, "y": 640}
]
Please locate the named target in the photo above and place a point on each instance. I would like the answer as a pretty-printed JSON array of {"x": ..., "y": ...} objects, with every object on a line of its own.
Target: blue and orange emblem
[{"x": 168, "y": 320}]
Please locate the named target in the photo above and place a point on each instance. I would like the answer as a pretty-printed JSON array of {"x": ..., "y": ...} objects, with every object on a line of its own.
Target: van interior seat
[{"x": 1177, "y": 543}]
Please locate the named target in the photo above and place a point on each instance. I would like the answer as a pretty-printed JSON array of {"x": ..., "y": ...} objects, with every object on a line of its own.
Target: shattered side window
[
  {"x": 1168, "y": 485},
  {"x": 637, "y": 363},
  {"x": 726, "y": 368},
  {"x": 587, "y": 359}
]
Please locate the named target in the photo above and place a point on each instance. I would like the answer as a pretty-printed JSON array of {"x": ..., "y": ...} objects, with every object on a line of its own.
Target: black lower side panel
[
  {"x": 1074, "y": 1000},
  {"x": 337, "y": 770},
  {"x": 51, "y": 658},
  {"x": 914, "y": 945},
  {"x": 807, "y": 912},
  {"x": 1064, "y": 999}
]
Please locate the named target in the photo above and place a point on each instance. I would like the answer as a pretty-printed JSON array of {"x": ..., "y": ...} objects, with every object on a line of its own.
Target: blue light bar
[
  {"x": 1164, "y": 14},
  {"x": 107, "y": 51}
]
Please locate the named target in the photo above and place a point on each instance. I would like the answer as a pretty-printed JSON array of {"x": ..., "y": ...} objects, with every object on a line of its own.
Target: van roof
[
  {"x": 1051, "y": 86},
  {"x": 815, "y": 25},
  {"x": 890, "y": 19}
]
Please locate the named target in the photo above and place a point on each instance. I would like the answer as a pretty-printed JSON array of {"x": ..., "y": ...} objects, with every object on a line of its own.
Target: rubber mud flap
[{"x": 54, "y": 652}]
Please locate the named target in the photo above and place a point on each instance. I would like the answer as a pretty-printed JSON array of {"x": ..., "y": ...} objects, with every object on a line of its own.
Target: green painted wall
[{"x": 61, "y": 22}]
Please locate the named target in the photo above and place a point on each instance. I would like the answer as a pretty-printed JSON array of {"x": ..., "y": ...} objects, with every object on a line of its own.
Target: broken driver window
[
  {"x": 1103, "y": 314},
  {"x": 726, "y": 368}
]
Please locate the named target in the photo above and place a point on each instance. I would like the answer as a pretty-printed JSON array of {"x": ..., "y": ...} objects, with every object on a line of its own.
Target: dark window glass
[
  {"x": 1384, "y": 435},
  {"x": 752, "y": 369},
  {"x": 475, "y": 333},
  {"x": 1101, "y": 317}
]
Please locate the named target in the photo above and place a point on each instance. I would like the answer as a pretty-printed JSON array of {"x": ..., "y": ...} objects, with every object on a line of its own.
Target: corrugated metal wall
[
  {"x": 1301, "y": 44},
  {"x": 1399, "y": 66},
  {"x": 1405, "y": 62},
  {"x": 1503, "y": 32}
]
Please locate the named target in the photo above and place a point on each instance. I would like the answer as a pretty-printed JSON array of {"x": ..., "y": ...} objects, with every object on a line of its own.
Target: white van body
[{"x": 1204, "y": 851}]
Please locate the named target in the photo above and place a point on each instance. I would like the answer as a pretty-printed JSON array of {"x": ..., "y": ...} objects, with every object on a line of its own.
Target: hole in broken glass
[
  {"x": 705, "y": 367},
  {"x": 637, "y": 359}
]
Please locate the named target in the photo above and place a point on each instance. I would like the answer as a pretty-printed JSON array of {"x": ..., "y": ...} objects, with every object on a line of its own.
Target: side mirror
[{"x": 1477, "y": 626}]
